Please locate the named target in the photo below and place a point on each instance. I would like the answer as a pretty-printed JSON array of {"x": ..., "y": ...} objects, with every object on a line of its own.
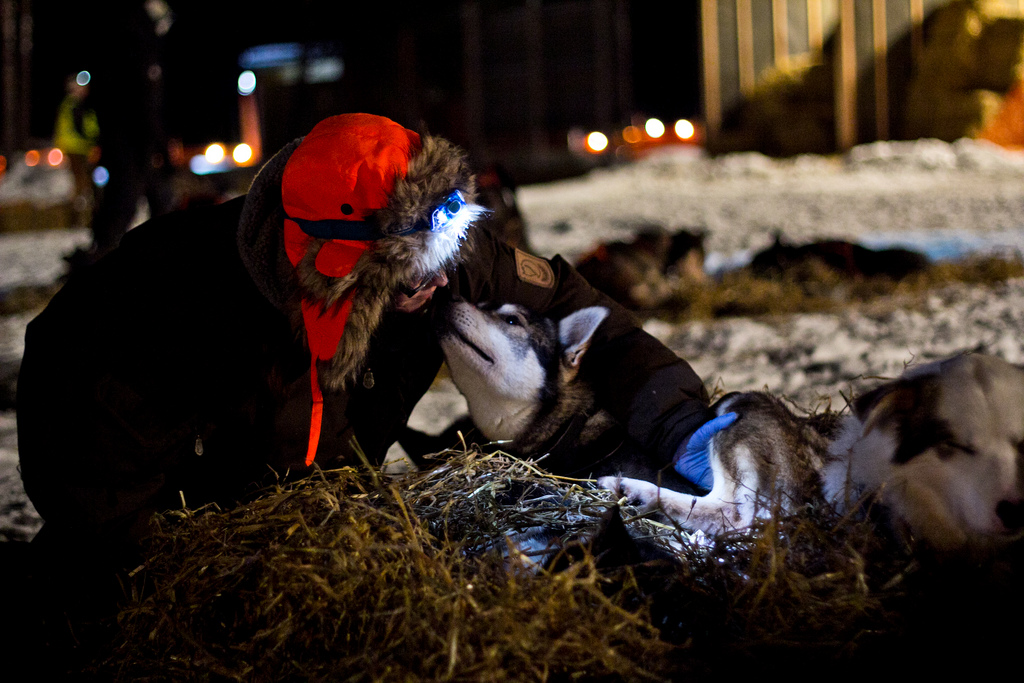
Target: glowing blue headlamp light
[{"x": 446, "y": 212}]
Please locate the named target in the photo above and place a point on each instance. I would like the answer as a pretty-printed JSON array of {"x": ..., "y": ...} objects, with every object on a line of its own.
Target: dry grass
[
  {"x": 817, "y": 289},
  {"x": 350, "y": 576},
  {"x": 345, "y": 576}
]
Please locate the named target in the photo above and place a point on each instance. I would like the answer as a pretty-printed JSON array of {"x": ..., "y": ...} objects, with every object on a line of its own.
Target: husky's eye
[
  {"x": 512, "y": 320},
  {"x": 956, "y": 446}
]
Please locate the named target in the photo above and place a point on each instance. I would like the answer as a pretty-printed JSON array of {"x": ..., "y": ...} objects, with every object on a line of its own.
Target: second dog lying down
[{"x": 942, "y": 448}]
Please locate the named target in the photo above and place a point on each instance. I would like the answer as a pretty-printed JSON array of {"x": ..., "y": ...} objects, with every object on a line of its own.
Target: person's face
[{"x": 421, "y": 293}]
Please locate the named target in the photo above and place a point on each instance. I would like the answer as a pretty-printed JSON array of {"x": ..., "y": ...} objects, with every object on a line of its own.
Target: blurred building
[
  {"x": 507, "y": 80},
  {"x": 793, "y": 76}
]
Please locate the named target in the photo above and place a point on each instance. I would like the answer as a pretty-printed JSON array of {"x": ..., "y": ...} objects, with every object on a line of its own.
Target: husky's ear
[
  {"x": 889, "y": 404},
  {"x": 872, "y": 402},
  {"x": 575, "y": 331}
]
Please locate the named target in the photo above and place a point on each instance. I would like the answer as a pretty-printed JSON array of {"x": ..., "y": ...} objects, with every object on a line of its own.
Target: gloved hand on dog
[{"x": 693, "y": 460}]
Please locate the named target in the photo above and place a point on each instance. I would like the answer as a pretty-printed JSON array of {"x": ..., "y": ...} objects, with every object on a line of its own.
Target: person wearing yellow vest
[{"x": 76, "y": 133}]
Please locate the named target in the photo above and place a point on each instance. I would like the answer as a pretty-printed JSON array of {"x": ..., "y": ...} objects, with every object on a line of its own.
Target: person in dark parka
[{"x": 216, "y": 344}]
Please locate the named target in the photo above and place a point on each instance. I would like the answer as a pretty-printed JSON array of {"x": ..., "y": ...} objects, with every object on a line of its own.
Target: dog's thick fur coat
[
  {"x": 520, "y": 374},
  {"x": 941, "y": 449}
]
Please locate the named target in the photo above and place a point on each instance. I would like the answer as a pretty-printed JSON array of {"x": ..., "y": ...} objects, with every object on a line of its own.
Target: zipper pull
[
  {"x": 199, "y": 445},
  {"x": 368, "y": 379}
]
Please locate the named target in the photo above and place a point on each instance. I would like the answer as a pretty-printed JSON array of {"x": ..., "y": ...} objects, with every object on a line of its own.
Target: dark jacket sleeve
[{"x": 643, "y": 384}]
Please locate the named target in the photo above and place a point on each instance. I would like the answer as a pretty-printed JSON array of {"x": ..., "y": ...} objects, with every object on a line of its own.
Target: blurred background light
[
  {"x": 215, "y": 153},
  {"x": 597, "y": 142},
  {"x": 54, "y": 157},
  {"x": 242, "y": 153},
  {"x": 632, "y": 135},
  {"x": 246, "y": 83},
  {"x": 100, "y": 176},
  {"x": 268, "y": 56},
  {"x": 32, "y": 157},
  {"x": 684, "y": 129},
  {"x": 654, "y": 128},
  {"x": 83, "y": 78}
]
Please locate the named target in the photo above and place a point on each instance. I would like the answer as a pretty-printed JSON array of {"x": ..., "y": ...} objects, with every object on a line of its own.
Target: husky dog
[
  {"x": 845, "y": 258},
  {"x": 643, "y": 273},
  {"x": 941, "y": 448},
  {"x": 519, "y": 372}
]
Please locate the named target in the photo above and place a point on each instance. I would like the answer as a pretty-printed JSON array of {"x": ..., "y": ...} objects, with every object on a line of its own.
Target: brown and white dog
[
  {"x": 941, "y": 449},
  {"x": 647, "y": 271}
]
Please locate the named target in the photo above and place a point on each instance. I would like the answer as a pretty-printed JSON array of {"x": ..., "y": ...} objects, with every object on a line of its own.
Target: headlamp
[{"x": 444, "y": 214}]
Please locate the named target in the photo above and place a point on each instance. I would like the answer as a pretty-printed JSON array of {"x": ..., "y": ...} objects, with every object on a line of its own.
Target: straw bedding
[{"x": 348, "y": 575}]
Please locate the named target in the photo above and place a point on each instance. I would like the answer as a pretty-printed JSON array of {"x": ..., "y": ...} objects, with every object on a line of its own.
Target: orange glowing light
[
  {"x": 3, "y": 164},
  {"x": 242, "y": 154},
  {"x": 215, "y": 153},
  {"x": 54, "y": 157},
  {"x": 684, "y": 129},
  {"x": 32, "y": 157},
  {"x": 597, "y": 142},
  {"x": 632, "y": 135}
]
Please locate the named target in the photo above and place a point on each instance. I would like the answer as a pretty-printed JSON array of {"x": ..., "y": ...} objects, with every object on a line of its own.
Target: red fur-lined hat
[{"x": 369, "y": 205}]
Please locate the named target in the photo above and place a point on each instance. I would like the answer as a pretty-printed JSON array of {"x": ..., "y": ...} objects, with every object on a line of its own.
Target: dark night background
[{"x": 200, "y": 59}]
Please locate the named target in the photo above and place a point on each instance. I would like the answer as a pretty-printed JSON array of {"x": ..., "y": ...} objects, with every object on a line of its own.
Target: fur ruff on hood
[{"x": 438, "y": 168}]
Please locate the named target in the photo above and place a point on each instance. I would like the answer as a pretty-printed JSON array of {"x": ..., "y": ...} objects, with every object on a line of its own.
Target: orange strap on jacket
[{"x": 324, "y": 327}]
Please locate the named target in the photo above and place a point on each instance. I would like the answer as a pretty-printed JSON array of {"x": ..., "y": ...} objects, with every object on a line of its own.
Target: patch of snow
[
  {"x": 37, "y": 258},
  {"x": 41, "y": 185}
]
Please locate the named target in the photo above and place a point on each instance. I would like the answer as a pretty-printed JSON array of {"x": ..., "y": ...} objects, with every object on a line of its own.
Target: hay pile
[
  {"x": 816, "y": 288},
  {"x": 346, "y": 576},
  {"x": 790, "y": 111},
  {"x": 973, "y": 55},
  {"x": 350, "y": 576}
]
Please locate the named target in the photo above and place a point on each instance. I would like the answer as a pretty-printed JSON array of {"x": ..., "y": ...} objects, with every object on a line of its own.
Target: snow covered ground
[{"x": 943, "y": 199}]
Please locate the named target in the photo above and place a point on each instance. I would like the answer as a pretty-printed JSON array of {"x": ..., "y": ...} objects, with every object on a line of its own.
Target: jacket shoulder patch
[{"x": 534, "y": 270}]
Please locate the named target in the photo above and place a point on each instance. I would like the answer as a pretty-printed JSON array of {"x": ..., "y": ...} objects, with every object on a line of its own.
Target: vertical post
[
  {"x": 780, "y": 32},
  {"x": 712, "y": 70},
  {"x": 405, "y": 54},
  {"x": 881, "y": 44},
  {"x": 472, "y": 75},
  {"x": 535, "y": 74},
  {"x": 815, "y": 26},
  {"x": 25, "y": 70},
  {"x": 916, "y": 30},
  {"x": 9, "y": 77},
  {"x": 249, "y": 124},
  {"x": 846, "y": 78},
  {"x": 745, "y": 45},
  {"x": 604, "y": 100},
  {"x": 623, "y": 61}
]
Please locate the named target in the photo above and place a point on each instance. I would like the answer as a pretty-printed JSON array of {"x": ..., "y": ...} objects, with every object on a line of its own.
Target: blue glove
[{"x": 693, "y": 460}]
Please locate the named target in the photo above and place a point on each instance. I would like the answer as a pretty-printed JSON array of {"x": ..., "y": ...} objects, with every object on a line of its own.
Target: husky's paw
[
  {"x": 635, "y": 491},
  {"x": 648, "y": 496}
]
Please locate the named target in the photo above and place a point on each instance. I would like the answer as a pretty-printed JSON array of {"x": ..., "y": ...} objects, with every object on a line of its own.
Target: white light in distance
[
  {"x": 246, "y": 83},
  {"x": 654, "y": 128}
]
